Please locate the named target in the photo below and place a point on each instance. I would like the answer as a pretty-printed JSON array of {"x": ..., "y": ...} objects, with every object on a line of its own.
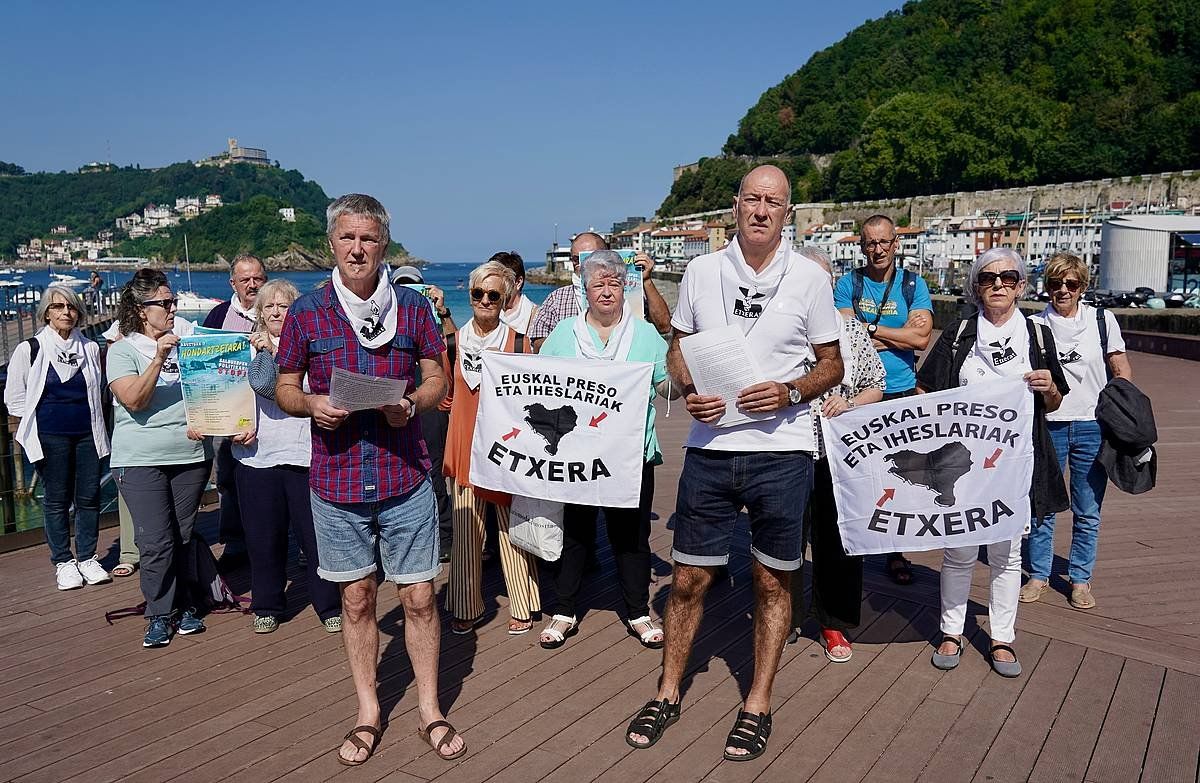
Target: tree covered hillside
[
  {"x": 31, "y": 205},
  {"x": 949, "y": 95}
]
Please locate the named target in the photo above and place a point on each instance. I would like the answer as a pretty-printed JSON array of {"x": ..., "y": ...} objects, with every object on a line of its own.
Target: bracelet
[
  {"x": 445, "y": 313},
  {"x": 412, "y": 405}
]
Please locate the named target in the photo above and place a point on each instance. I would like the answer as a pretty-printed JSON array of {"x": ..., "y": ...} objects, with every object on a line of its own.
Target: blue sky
[{"x": 479, "y": 125}]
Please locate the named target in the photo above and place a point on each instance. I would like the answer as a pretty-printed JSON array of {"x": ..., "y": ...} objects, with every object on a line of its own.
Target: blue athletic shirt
[{"x": 896, "y": 363}]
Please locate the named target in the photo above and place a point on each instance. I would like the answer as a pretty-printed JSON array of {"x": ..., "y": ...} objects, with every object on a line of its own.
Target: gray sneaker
[
  {"x": 333, "y": 624},
  {"x": 265, "y": 624}
]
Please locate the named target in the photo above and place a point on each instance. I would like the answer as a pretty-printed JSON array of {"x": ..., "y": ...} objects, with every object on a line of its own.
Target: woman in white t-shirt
[
  {"x": 997, "y": 343},
  {"x": 1088, "y": 359}
]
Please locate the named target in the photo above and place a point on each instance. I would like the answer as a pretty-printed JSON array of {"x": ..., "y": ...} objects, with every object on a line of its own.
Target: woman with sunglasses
[
  {"x": 160, "y": 465},
  {"x": 1088, "y": 360},
  {"x": 491, "y": 285},
  {"x": 997, "y": 342},
  {"x": 54, "y": 388}
]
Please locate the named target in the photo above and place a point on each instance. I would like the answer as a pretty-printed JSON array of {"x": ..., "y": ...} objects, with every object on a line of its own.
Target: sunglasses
[
  {"x": 165, "y": 304},
  {"x": 57, "y": 306},
  {"x": 1008, "y": 278},
  {"x": 1055, "y": 283},
  {"x": 477, "y": 295}
]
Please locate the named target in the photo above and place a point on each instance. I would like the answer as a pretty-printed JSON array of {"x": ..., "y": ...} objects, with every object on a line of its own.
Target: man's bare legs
[
  {"x": 772, "y": 621},
  {"x": 360, "y": 633},
  {"x": 685, "y": 608},
  {"x": 423, "y": 640}
]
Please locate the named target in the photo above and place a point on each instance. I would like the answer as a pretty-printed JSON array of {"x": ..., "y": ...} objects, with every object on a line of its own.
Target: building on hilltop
[
  {"x": 237, "y": 154},
  {"x": 287, "y": 214}
]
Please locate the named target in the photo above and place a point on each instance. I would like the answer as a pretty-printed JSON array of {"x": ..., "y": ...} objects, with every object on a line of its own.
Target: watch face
[{"x": 794, "y": 396}]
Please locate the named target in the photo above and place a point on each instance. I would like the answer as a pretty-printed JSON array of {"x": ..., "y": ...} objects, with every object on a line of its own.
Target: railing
[{"x": 18, "y": 314}]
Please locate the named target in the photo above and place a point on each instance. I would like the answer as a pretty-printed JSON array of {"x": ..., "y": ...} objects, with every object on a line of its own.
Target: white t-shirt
[
  {"x": 999, "y": 351},
  {"x": 797, "y": 313},
  {"x": 1077, "y": 341}
]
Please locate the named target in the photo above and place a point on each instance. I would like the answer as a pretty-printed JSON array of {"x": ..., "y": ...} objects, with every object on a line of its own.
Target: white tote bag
[{"x": 536, "y": 526}]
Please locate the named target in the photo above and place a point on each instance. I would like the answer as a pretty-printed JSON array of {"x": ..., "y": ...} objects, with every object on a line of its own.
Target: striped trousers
[{"x": 464, "y": 596}]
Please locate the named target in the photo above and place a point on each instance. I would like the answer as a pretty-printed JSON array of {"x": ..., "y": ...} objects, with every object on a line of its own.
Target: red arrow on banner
[
  {"x": 888, "y": 494},
  {"x": 597, "y": 419},
  {"x": 990, "y": 462},
  {"x": 510, "y": 435}
]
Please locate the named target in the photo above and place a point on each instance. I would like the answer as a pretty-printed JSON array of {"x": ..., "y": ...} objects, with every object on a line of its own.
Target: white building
[
  {"x": 1158, "y": 251},
  {"x": 287, "y": 214}
]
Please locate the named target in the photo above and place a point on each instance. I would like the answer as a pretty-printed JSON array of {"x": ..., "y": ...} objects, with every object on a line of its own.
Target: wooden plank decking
[{"x": 1107, "y": 695}]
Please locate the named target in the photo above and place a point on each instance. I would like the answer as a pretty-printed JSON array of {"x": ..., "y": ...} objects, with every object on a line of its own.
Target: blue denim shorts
[
  {"x": 715, "y": 486},
  {"x": 401, "y": 533}
]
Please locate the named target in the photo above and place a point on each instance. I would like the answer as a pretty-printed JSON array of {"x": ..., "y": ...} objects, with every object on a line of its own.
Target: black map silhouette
[
  {"x": 937, "y": 470},
  {"x": 551, "y": 423}
]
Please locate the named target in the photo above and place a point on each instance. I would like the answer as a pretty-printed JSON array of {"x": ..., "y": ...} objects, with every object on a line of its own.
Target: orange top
[{"x": 463, "y": 409}]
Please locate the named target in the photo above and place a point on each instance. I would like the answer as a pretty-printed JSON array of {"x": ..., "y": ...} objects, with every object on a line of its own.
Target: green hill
[
  {"x": 32, "y": 204},
  {"x": 947, "y": 95}
]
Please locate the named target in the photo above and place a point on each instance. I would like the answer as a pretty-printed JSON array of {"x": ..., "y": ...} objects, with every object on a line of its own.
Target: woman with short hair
[
  {"x": 998, "y": 342},
  {"x": 54, "y": 387},
  {"x": 271, "y": 473},
  {"x": 161, "y": 466},
  {"x": 607, "y": 329},
  {"x": 491, "y": 285},
  {"x": 1089, "y": 358}
]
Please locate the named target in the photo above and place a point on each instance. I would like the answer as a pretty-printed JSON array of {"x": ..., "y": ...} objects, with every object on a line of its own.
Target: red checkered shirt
[{"x": 366, "y": 459}]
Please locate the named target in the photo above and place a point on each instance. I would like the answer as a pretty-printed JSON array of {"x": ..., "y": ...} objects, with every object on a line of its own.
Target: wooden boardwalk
[{"x": 1107, "y": 695}]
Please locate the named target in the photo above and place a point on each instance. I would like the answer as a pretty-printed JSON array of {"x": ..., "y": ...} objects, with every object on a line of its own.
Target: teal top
[
  {"x": 647, "y": 346},
  {"x": 157, "y": 434}
]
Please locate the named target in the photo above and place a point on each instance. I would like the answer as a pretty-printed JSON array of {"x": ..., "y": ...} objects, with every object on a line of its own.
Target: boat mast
[{"x": 187, "y": 260}]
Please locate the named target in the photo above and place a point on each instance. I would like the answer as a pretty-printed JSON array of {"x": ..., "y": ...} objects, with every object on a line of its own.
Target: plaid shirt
[
  {"x": 364, "y": 460},
  {"x": 562, "y": 303}
]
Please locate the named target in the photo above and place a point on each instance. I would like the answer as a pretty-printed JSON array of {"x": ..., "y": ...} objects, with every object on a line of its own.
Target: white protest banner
[
  {"x": 571, "y": 430},
  {"x": 951, "y": 468}
]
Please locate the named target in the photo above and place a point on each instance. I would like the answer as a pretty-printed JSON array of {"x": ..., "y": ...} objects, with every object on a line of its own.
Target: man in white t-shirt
[{"x": 784, "y": 305}]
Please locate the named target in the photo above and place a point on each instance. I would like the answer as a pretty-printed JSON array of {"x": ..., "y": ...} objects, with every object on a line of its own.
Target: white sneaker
[
  {"x": 68, "y": 575},
  {"x": 92, "y": 572}
]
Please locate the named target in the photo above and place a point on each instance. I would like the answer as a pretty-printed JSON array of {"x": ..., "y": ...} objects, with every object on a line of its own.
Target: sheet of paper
[
  {"x": 353, "y": 392},
  {"x": 722, "y": 365}
]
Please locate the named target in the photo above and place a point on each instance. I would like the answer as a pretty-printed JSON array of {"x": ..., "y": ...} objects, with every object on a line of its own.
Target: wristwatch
[
  {"x": 445, "y": 313},
  {"x": 872, "y": 328},
  {"x": 412, "y": 405},
  {"x": 794, "y": 396}
]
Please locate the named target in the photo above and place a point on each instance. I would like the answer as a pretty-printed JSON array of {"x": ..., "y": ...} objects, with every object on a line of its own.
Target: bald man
[{"x": 783, "y": 304}]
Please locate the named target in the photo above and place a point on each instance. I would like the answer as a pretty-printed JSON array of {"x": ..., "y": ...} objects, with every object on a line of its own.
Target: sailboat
[{"x": 192, "y": 305}]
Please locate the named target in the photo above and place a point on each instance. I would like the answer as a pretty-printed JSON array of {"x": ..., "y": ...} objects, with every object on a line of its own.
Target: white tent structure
[{"x": 1136, "y": 250}]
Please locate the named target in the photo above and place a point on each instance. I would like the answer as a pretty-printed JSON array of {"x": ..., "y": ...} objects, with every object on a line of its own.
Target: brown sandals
[
  {"x": 446, "y": 739},
  {"x": 360, "y": 743}
]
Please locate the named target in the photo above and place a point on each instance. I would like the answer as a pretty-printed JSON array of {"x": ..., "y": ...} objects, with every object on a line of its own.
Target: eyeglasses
[
  {"x": 1055, "y": 283},
  {"x": 1008, "y": 278},
  {"x": 879, "y": 243},
  {"x": 60, "y": 306},
  {"x": 165, "y": 304},
  {"x": 477, "y": 295}
]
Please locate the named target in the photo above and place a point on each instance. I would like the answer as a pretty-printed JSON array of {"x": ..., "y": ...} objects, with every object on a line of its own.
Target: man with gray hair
[
  {"x": 369, "y": 480},
  {"x": 895, "y": 308}
]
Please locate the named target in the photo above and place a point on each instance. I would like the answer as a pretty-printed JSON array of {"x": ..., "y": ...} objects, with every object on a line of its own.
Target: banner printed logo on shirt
[
  {"x": 471, "y": 361},
  {"x": 748, "y": 306},
  {"x": 571, "y": 430},
  {"x": 69, "y": 358},
  {"x": 1003, "y": 353},
  {"x": 1069, "y": 357},
  {"x": 946, "y": 469}
]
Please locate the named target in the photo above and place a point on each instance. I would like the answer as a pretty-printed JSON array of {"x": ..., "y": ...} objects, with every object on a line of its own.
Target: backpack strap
[
  {"x": 519, "y": 343},
  {"x": 34, "y": 347},
  {"x": 1041, "y": 344},
  {"x": 1102, "y": 327},
  {"x": 908, "y": 287},
  {"x": 962, "y": 327}
]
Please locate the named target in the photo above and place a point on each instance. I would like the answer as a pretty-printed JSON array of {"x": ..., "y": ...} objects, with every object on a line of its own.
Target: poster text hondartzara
[
  {"x": 892, "y": 429},
  {"x": 548, "y": 385}
]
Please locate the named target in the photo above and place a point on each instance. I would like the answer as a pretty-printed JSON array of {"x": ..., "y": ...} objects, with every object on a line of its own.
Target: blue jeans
[
  {"x": 1077, "y": 442},
  {"x": 714, "y": 486},
  {"x": 70, "y": 472}
]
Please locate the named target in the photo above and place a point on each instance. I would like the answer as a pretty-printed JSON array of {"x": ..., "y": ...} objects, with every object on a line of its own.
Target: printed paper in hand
[
  {"x": 722, "y": 365},
  {"x": 217, "y": 397},
  {"x": 351, "y": 391}
]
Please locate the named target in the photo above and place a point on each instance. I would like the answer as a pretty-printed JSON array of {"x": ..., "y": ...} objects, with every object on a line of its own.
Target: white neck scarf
[
  {"x": 1000, "y": 351},
  {"x": 374, "y": 318},
  {"x": 471, "y": 347},
  {"x": 235, "y": 304},
  {"x": 619, "y": 340},
  {"x": 66, "y": 356},
  {"x": 169, "y": 374},
  {"x": 1068, "y": 332},
  {"x": 745, "y": 293},
  {"x": 519, "y": 319}
]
